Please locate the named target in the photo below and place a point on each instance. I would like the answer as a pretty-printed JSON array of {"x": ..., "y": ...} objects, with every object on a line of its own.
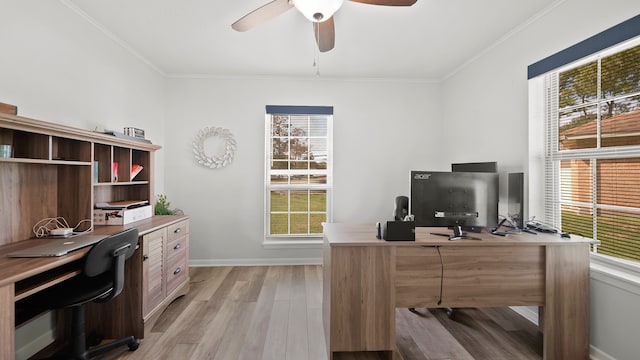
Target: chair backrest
[{"x": 109, "y": 254}]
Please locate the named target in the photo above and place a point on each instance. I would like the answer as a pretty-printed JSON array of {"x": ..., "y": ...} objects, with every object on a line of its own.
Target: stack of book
[
  {"x": 135, "y": 132},
  {"x": 125, "y": 136}
]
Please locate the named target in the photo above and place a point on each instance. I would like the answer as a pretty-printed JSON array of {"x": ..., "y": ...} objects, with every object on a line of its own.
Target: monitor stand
[{"x": 457, "y": 234}]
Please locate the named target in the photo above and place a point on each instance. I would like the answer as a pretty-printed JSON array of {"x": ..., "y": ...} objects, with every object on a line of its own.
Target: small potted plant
[{"x": 162, "y": 207}]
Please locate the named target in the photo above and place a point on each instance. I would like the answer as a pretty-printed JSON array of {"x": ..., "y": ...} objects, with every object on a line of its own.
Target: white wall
[
  {"x": 485, "y": 104},
  {"x": 57, "y": 67},
  {"x": 382, "y": 130}
]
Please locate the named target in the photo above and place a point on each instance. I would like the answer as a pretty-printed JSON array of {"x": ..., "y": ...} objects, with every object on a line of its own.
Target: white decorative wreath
[{"x": 214, "y": 161}]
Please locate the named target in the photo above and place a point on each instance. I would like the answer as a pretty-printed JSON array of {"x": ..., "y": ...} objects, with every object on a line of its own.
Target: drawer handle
[
  {"x": 178, "y": 246},
  {"x": 177, "y": 271},
  {"x": 145, "y": 257},
  {"x": 177, "y": 230}
]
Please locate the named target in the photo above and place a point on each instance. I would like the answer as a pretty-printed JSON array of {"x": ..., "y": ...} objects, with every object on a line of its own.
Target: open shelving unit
[{"x": 52, "y": 168}]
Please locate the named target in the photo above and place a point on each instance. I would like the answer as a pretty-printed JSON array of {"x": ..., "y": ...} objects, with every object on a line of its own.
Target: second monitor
[{"x": 490, "y": 166}]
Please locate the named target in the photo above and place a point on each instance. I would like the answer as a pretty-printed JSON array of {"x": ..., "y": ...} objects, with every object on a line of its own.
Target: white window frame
[
  {"x": 545, "y": 158},
  {"x": 295, "y": 240}
]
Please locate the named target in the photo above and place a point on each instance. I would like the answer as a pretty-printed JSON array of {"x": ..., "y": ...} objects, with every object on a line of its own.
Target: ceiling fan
[{"x": 320, "y": 12}]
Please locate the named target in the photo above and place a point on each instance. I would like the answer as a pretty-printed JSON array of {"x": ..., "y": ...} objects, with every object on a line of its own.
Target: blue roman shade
[
  {"x": 299, "y": 110},
  {"x": 612, "y": 36}
]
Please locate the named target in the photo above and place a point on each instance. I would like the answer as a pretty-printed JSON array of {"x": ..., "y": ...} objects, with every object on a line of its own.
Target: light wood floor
[{"x": 275, "y": 312}]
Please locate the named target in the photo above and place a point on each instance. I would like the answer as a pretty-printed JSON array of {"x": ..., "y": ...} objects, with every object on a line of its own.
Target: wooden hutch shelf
[
  {"x": 61, "y": 171},
  {"x": 62, "y": 163}
]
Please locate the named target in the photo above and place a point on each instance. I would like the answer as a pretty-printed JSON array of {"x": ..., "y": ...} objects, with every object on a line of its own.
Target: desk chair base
[
  {"x": 78, "y": 349},
  {"x": 451, "y": 313}
]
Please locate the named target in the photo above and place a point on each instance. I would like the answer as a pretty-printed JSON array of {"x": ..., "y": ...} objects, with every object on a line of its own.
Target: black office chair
[{"x": 102, "y": 280}]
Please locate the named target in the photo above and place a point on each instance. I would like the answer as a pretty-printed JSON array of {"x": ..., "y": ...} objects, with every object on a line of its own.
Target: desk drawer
[
  {"x": 177, "y": 230},
  {"x": 177, "y": 271},
  {"x": 177, "y": 247}
]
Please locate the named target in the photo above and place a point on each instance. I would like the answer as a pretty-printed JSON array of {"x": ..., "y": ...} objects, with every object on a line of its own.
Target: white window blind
[{"x": 592, "y": 149}]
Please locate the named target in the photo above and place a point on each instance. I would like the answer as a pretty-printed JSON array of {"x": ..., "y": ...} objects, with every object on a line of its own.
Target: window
[
  {"x": 592, "y": 154},
  {"x": 298, "y": 171}
]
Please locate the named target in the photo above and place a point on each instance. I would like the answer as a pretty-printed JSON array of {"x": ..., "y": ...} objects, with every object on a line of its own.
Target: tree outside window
[{"x": 598, "y": 151}]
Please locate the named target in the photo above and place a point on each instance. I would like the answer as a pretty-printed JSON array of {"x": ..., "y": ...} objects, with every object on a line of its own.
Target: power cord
[
  {"x": 441, "y": 274},
  {"x": 43, "y": 227},
  {"x": 413, "y": 310},
  {"x": 540, "y": 226}
]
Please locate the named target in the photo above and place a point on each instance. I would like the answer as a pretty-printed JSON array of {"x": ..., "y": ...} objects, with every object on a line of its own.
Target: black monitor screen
[
  {"x": 440, "y": 199},
  {"x": 491, "y": 166},
  {"x": 516, "y": 200}
]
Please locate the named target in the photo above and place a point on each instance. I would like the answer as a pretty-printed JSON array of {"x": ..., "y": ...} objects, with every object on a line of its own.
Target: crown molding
[
  {"x": 504, "y": 38},
  {"x": 73, "y": 7}
]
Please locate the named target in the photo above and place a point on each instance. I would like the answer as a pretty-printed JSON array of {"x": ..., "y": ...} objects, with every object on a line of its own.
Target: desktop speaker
[{"x": 401, "y": 208}]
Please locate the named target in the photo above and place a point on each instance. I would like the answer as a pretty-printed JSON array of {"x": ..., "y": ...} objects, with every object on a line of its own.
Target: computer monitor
[
  {"x": 484, "y": 167},
  {"x": 515, "y": 197},
  {"x": 454, "y": 199},
  {"x": 490, "y": 166}
]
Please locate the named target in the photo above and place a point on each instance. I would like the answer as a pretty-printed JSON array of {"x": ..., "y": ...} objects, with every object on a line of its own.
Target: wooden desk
[
  {"x": 123, "y": 316},
  {"x": 365, "y": 279}
]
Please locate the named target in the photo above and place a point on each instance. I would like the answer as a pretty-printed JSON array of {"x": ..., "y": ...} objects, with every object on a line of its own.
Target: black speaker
[
  {"x": 399, "y": 231},
  {"x": 401, "y": 208}
]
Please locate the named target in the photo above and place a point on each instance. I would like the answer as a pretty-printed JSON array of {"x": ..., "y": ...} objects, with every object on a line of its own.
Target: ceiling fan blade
[
  {"x": 262, "y": 14},
  {"x": 387, "y": 2},
  {"x": 325, "y": 33}
]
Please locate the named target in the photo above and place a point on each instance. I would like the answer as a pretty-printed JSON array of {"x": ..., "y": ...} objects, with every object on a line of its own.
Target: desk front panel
[
  {"x": 486, "y": 276},
  {"x": 362, "y": 315},
  {"x": 469, "y": 276},
  {"x": 417, "y": 277}
]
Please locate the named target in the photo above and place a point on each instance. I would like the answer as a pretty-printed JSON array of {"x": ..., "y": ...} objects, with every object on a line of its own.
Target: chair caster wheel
[
  {"x": 133, "y": 346},
  {"x": 451, "y": 314}
]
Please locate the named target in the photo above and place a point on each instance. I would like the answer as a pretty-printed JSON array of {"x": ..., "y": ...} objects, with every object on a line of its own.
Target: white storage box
[{"x": 121, "y": 216}]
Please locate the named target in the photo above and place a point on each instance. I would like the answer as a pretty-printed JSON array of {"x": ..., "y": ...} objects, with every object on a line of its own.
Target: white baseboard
[
  {"x": 34, "y": 335},
  {"x": 597, "y": 354},
  {"x": 526, "y": 312},
  {"x": 255, "y": 262}
]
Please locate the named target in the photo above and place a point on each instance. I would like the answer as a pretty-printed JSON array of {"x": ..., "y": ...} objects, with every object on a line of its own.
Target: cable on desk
[
  {"x": 43, "y": 227},
  {"x": 413, "y": 310},
  {"x": 441, "y": 274}
]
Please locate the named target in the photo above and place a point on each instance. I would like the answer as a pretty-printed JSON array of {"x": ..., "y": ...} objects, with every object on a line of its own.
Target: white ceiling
[{"x": 428, "y": 41}]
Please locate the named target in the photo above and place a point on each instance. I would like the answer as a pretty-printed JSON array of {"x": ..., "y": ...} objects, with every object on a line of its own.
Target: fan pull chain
[{"x": 316, "y": 60}]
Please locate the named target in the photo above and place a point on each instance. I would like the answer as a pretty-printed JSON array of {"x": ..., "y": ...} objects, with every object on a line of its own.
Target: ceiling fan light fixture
[{"x": 317, "y": 10}]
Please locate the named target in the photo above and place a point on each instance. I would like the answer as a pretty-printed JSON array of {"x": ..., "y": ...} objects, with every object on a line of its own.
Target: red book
[
  {"x": 114, "y": 172},
  {"x": 135, "y": 170}
]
